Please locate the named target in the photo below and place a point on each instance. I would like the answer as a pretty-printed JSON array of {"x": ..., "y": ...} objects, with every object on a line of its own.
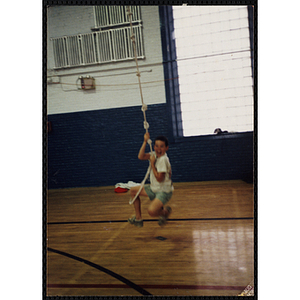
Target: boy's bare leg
[
  {"x": 156, "y": 209},
  {"x": 137, "y": 202},
  {"x": 137, "y": 207}
]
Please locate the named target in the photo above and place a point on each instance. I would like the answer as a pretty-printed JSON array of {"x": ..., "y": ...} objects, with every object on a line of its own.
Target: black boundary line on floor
[
  {"x": 170, "y": 220},
  {"x": 111, "y": 273}
]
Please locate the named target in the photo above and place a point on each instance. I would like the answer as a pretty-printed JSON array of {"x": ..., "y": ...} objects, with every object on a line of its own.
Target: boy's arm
[
  {"x": 142, "y": 155},
  {"x": 160, "y": 176}
]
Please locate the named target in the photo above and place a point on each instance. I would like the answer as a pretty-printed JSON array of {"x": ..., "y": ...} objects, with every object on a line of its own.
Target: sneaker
[
  {"x": 163, "y": 219},
  {"x": 137, "y": 223}
]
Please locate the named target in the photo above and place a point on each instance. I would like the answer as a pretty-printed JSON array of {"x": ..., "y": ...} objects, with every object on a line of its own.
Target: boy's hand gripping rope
[{"x": 144, "y": 106}]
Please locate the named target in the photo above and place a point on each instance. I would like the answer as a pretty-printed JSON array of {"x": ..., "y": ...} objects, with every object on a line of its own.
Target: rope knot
[
  {"x": 144, "y": 107},
  {"x": 146, "y": 125}
]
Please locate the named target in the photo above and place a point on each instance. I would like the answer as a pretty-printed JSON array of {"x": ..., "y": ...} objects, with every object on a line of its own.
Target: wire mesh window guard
[{"x": 111, "y": 43}]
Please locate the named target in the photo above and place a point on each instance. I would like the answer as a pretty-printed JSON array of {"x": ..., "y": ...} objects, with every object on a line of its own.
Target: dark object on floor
[{"x": 161, "y": 238}]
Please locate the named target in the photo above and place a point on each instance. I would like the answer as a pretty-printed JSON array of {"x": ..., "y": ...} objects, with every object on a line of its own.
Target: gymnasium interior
[{"x": 192, "y": 69}]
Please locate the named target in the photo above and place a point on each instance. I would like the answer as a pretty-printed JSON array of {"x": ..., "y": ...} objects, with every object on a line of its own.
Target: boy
[{"x": 161, "y": 188}]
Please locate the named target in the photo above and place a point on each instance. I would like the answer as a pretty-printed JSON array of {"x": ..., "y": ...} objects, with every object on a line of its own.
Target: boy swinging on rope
[{"x": 160, "y": 189}]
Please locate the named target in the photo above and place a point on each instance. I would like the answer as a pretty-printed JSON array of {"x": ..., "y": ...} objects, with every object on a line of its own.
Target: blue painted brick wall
[
  {"x": 213, "y": 157},
  {"x": 100, "y": 148}
]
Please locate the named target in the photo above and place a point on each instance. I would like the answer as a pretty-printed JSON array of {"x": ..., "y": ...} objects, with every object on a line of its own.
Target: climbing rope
[{"x": 144, "y": 106}]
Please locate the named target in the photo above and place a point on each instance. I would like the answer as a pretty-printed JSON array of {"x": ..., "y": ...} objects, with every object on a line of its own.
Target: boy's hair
[{"x": 163, "y": 139}]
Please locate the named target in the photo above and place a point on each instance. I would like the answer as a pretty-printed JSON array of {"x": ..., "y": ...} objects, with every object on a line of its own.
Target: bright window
[{"x": 214, "y": 67}]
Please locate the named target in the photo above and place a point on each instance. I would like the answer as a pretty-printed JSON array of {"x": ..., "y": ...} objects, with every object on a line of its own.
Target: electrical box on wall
[{"x": 87, "y": 83}]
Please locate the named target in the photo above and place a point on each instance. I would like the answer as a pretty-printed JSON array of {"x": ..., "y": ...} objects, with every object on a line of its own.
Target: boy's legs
[
  {"x": 156, "y": 209},
  {"x": 137, "y": 202}
]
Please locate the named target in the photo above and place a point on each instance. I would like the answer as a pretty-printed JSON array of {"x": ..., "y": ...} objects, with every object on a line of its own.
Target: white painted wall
[{"x": 116, "y": 83}]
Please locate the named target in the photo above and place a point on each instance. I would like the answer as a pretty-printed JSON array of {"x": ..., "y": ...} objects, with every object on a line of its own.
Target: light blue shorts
[{"x": 162, "y": 196}]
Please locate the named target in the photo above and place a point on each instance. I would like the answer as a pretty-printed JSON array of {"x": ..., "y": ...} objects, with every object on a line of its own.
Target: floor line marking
[
  {"x": 169, "y": 220},
  {"x": 149, "y": 286},
  {"x": 111, "y": 273},
  {"x": 104, "y": 245}
]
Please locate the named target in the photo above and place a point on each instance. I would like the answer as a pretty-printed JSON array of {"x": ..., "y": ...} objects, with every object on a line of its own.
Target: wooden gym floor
[{"x": 205, "y": 249}]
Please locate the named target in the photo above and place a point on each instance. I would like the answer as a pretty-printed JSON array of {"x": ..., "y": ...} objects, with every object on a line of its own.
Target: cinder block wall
[
  {"x": 100, "y": 148},
  {"x": 116, "y": 82}
]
